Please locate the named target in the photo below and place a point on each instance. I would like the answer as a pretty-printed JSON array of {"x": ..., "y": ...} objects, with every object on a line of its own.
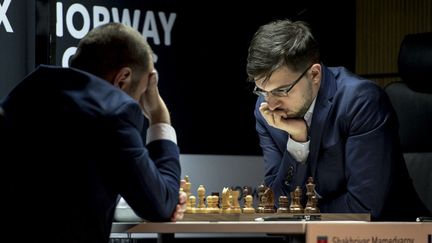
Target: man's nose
[{"x": 273, "y": 102}]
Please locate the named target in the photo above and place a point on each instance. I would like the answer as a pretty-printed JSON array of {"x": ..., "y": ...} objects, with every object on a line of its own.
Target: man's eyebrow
[{"x": 283, "y": 86}]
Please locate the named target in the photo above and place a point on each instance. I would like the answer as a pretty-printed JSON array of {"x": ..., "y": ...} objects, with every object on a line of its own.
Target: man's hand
[
  {"x": 296, "y": 127},
  {"x": 153, "y": 106},
  {"x": 181, "y": 206}
]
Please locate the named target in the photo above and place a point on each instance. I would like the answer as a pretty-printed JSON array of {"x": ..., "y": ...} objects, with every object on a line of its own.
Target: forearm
[
  {"x": 166, "y": 188},
  {"x": 148, "y": 176},
  {"x": 153, "y": 184}
]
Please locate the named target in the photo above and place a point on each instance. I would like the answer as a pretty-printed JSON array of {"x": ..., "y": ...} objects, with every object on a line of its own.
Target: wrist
[
  {"x": 160, "y": 115},
  {"x": 300, "y": 139},
  {"x": 303, "y": 135},
  {"x": 160, "y": 118}
]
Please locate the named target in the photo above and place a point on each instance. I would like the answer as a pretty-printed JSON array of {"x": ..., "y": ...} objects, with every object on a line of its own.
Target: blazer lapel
[{"x": 319, "y": 117}]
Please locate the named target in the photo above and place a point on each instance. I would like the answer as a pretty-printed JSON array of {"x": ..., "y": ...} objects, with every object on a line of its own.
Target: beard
[{"x": 307, "y": 99}]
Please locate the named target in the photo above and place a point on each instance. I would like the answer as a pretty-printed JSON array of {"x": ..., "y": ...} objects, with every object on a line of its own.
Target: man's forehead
[{"x": 280, "y": 77}]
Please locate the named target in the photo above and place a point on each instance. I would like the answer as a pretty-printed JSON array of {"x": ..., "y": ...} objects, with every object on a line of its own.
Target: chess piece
[
  {"x": 235, "y": 206},
  {"x": 216, "y": 194},
  {"x": 187, "y": 186},
  {"x": 260, "y": 192},
  {"x": 247, "y": 190},
  {"x": 210, "y": 204},
  {"x": 293, "y": 203},
  {"x": 225, "y": 200},
  {"x": 296, "y": 206},
  {"x": 283, "y": 205},
  {"x": 268, "y": 200},
  {"x": 190, "y": 206},
  {"x": 187, "y": 189},
  {"x": 215, "y": 200},
  {"x": 311, "y": 205},
  {"x": 314, "y": 208},
  {"x": 201, "y": 208},
  {"x": 248, "y": 208}
]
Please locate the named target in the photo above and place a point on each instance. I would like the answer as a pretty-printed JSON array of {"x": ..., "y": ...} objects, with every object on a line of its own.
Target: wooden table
[
  {"x": 231, "y": 224},
  {"x": 301, "y": 230}
]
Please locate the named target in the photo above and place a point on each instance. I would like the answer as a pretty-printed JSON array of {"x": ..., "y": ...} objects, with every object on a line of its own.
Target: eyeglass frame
[{"x": 281, "y": 91}]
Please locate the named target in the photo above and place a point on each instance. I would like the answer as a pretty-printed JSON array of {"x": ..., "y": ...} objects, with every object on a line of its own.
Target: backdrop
[{"x": 200, "y": 49}]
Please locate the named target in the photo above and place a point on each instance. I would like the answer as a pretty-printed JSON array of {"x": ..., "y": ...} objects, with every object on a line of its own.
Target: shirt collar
[{"x": 309, "y": 112}]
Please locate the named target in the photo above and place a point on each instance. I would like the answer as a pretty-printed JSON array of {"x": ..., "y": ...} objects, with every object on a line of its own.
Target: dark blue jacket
[
  {"x": 71, "y": 145},
  {"x": 354, "y": 157}
]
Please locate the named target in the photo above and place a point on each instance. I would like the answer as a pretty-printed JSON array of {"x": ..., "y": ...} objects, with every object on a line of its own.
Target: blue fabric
[
  {"x": 72, "y": 146},
  {"x": 354, "y": 156}
]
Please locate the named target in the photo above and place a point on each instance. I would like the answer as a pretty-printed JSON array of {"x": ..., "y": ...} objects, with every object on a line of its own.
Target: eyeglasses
[{"x": 281, "y": 91}]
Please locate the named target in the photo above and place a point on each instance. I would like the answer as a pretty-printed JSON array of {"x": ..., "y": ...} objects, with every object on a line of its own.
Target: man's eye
[{"x": 281, "y": 91}]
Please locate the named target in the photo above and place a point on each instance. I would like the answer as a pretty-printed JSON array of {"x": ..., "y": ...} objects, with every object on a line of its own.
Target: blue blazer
[
  {"x": 71, "y": 145},
  {"x": 354, "y": 156}
]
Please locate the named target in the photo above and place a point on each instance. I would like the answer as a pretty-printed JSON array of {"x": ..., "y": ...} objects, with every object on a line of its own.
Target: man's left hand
[{"x": 181, "y": 206}]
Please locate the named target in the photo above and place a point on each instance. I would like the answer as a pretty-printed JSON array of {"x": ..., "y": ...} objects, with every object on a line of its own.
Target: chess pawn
[
  {"x": 314, "y": 208},
  {"x": 296, "y": 206},
  {"x": 201, "y": 208},
  {"x": 216, "y": 194},
  {"x": 210, "y": 204},
  {"x": 283, "y": 205},
  {"x": 215, "y": 200},
  {"x": 190, "y": 207},
  {"x": 247, "y": 190},
  {"x": 248, "y": 204}
]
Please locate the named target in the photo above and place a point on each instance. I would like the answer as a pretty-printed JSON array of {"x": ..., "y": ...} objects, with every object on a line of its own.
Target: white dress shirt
[
  {"x": 300, "y": 151},
  {"x": 161, "y": 131}
]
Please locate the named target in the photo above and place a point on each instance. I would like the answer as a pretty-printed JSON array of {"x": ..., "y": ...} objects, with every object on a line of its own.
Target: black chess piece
[
  {"x": 260, "y": 191},
  {"x": 283, "y": 205},
  {"x": 268, "y": 200},
  {"x": 296, "y": 206},
  {"x": 312, "y": 199}
]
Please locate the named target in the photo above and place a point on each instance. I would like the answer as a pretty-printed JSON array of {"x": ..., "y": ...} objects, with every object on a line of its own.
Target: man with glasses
[{"x": 328, "y": 124}]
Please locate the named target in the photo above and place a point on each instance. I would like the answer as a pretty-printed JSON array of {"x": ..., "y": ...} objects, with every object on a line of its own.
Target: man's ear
[
  {"x": 123, "y": 78},
  {"x": 316, "y": 72}
]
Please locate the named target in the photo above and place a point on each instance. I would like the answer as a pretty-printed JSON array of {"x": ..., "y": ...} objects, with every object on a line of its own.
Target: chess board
[
  {"x": 275, "y": 217},
  {"x": 233, "y": 205}
]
